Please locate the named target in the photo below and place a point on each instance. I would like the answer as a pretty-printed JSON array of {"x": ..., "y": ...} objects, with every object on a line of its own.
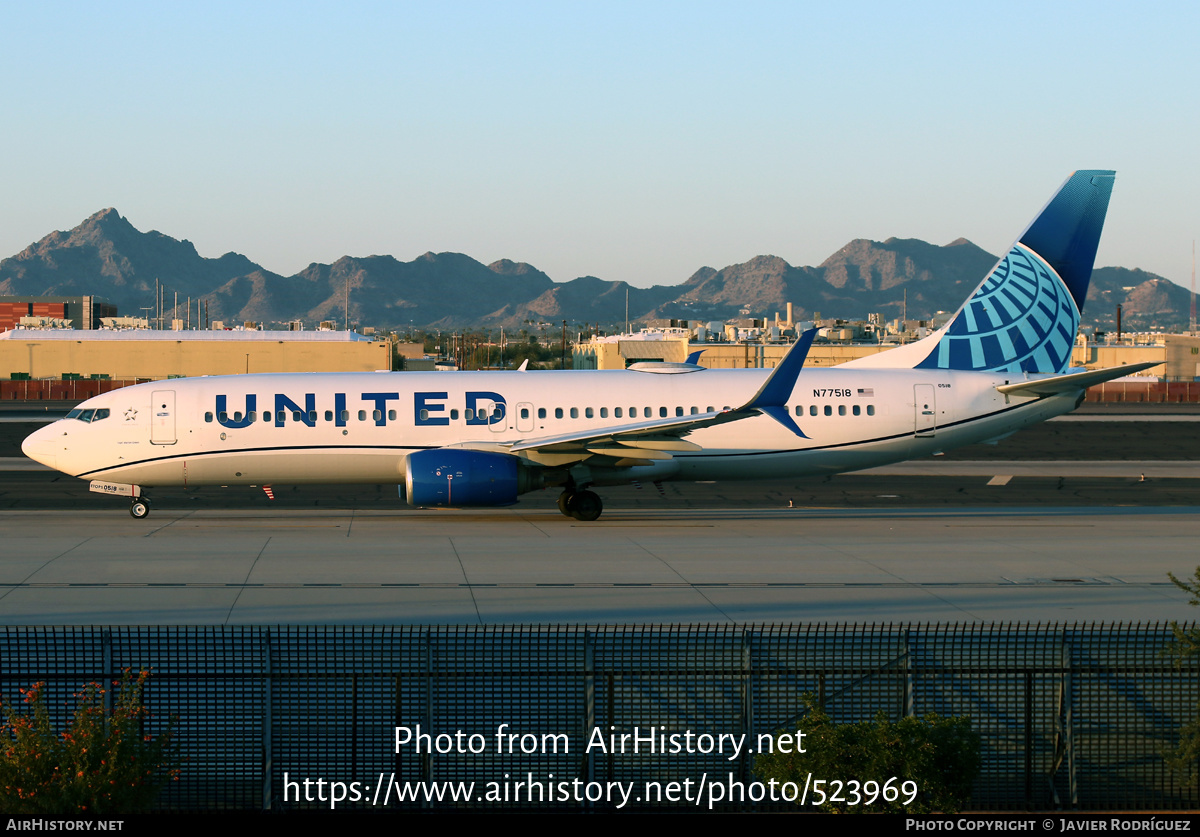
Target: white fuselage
[{"x": 360, "y": 427}]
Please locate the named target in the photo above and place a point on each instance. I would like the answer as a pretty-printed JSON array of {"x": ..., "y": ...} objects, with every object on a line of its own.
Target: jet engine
[{"x": 462, "y": 478}]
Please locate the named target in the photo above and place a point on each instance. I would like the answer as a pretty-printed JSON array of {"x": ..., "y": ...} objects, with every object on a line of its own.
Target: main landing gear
[
  {"x": 581, "y": 505},
  {"x": 140, "y": 507}
]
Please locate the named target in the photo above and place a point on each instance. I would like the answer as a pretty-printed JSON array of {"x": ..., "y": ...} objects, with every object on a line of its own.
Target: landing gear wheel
[
  {"x": 564, "y": 501},
  {"x": 139, "y": 508},
  {"x": 584, "y": 505}
]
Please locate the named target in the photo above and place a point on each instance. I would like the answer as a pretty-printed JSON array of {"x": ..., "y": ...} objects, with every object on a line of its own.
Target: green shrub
[
  {"x": 941, "y": 756},
  {"x": 102, "y": 763},
  {"x": 1183, "y": 757}
]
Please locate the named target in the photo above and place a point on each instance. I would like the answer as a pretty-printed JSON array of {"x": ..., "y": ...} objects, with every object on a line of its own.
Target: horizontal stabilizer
[{"x": 1073, "y": 381}]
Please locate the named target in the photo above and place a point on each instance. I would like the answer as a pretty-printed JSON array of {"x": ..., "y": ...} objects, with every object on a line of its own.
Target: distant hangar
[{"x": 144, "y": 354}]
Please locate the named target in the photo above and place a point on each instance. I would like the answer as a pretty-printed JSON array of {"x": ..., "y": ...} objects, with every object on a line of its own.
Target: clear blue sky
[{"x": 633, "y": 141}]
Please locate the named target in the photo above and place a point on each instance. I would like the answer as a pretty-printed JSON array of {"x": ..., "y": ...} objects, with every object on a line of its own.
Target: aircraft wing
[
  {"x": 635, "y": 433},
  {"x": 1073, "y": 380},
  {"x": 655, "y": 438}
]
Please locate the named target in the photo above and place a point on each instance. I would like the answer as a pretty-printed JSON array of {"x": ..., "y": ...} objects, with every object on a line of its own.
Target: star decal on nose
[{"x": 130, "y": 414}]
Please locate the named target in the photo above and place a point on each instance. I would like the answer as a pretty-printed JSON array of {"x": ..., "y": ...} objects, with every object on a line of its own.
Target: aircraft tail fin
[{"x": 1024, "y": 316}]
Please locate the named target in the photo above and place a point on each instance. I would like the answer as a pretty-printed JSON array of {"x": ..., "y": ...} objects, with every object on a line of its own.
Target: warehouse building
[
  {"x": 156, "y": 355},
  {"x": 81, "y": 312}
]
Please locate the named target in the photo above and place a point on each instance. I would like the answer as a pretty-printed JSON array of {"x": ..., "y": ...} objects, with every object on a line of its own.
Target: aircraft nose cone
[{"x": 39, "y": 446}]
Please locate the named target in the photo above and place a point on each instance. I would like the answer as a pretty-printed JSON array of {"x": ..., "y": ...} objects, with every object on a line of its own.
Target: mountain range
[{"x": 108, "y": 257}]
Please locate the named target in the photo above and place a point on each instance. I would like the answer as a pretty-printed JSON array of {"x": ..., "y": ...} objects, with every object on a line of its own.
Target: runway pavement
[{"x": 518, "y": 565}]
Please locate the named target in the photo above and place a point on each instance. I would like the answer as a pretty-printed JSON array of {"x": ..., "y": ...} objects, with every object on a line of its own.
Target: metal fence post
[
  {"x": 268, "y": 743},
  {"x": 1028, "y": 740},
  {"x": 427, "y": 758},
  {"x": 747, "y": 699},
  {"x": 589, "y": 702},
  {"x": 106, "y": 643},
  {"x": 1069, "y": 723}
]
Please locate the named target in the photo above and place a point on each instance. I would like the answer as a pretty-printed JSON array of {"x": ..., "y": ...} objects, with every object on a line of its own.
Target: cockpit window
[{"x": 87, "y": 416}]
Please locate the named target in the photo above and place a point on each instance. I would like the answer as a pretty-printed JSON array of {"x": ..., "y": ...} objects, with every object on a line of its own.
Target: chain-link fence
[{"x": 1071, "y": 716}]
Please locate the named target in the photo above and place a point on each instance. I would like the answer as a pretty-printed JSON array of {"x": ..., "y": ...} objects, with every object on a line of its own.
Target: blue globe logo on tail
[
  {"x": 1025, "y": 314},
  {"x": 1021, "y": 319}
]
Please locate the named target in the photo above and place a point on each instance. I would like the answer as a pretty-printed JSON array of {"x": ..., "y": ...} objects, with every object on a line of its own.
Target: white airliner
[{"x": 484, "y": 438}]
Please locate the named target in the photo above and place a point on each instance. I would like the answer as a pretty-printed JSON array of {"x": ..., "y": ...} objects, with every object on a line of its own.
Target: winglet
[
  {"x": 779, "y": 384},
  {"x": 773, "y": 394},
  {"x": 694, "y": 357}
]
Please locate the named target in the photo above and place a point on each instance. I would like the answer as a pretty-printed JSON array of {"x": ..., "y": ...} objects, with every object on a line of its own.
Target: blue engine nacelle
[{"x": 461, "y": 478}]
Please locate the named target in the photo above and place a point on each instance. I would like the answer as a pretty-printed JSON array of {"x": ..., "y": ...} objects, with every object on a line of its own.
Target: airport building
[
  {"x": 1180, "y": 354},
  {"x": 81, "y": 312},
  {"x": 144, "y": 354}
]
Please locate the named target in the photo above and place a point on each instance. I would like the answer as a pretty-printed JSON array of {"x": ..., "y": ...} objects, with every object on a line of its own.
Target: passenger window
[
  {"x": 453, "y": 414},
  {"x": 828, "y": 410},
  {"x": 709, "y": 410},
  {"x": 362, "y": 414},
  {"x": 604, "y": 412},
  {"x": 236, "y": 416},
  {"x": 329, "y": 415},
  {"x": 857, "y": 410},
  {"x": 469, "y": 415},
  {"x": 799, "y": 410},
  {"x": 424, "y": 415},
  {"x": 268, "y": 417},
  {"x": 589, "y": 413},
  {"x": 295, "y": 415},
  {"x": 812, "y": 411},
  {"x": 695, "y": 411},
  {"x": 870, "y": 409},
  {"x": 558, "y": 413},
  {"x": 679, "y": 411},
  {"x": 207, "y": 417},
  {"x": 541, "y": 412},
  {"x": 524, "y": 412},
  {"x": 377, "y": 414},
  {"x": 574, "y": 412},
  {"x": 662, "y": 412},
  {"x": 618, "y": 412},
  {"x": 391, "y": 415},
  {"x": 253, "y": 416},
  {"x": 345, "y": 415},
  {"x": 223, "y": 417},
  {"x": 647, "y": 412},
  {"x": 841, "y": 409},
  {"x": 312, "y": 415}
]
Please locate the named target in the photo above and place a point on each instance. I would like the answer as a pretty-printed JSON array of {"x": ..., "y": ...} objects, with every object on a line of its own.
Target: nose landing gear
[{"x": 140, "y": 507}]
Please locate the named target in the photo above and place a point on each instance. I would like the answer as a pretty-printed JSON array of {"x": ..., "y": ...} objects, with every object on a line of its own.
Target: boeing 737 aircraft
[{"x": 484, "y": 438}]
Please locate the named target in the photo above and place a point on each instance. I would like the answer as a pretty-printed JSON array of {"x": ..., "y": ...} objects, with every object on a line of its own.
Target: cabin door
[
  {"x": 925, "y": 407},
  {"x": 162, "y": 418}
]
